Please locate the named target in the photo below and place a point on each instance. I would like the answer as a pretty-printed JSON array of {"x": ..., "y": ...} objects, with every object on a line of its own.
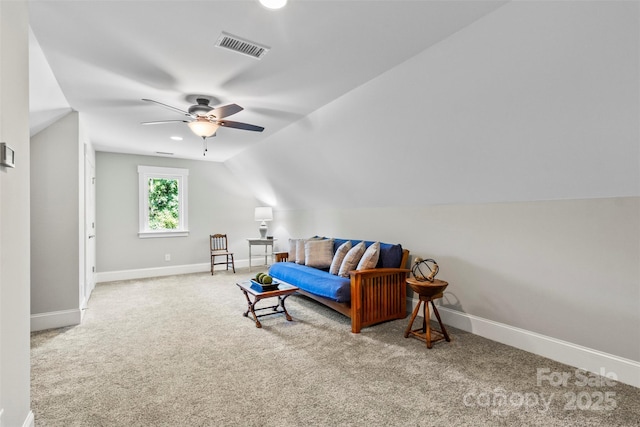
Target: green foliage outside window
[{"x": 164, "y": 206}]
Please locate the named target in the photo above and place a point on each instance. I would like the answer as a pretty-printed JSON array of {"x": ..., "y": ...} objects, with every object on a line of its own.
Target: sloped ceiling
[
  {"x": 536, "y": 101},
  {"x": 47, "y": 103},
  {"x": 108, "y": 55}
]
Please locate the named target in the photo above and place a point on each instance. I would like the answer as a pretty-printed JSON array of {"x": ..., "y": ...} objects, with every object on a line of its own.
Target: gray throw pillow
[
  {"x": 352, "y": 259},
  {"x": 341, "y": 252},
  {"x": 300, "y": 251},
  {"x": 318, "y": 253},
  {"x": 370, "y": 257},
  {"x": 293, "y": 244}
]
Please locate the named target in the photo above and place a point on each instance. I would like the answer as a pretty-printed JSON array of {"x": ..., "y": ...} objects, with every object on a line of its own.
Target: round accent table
[{"x": 428, "y": 291}]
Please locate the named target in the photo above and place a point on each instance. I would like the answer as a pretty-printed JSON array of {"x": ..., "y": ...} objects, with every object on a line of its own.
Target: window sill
[{"x": 163, "y": 233}]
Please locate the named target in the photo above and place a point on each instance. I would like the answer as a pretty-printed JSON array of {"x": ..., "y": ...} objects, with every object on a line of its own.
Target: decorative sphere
[{"x": 425, "y": 269}]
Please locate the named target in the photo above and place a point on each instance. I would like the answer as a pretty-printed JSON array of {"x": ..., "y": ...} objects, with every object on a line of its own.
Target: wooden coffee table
[{"x": 282, "y": 292}]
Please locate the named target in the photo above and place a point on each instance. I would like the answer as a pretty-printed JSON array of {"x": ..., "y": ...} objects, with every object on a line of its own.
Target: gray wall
[
  {"x": 564, "y": 269},
  {"x": 508, "y": 152},
  {"x": 56, "y": 153},
  {"x": 218, "y": 203},
  {"x": 14, "y": 216}
]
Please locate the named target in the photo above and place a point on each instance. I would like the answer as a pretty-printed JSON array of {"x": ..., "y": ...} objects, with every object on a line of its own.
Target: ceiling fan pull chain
[{"x": 204, "y": 146}]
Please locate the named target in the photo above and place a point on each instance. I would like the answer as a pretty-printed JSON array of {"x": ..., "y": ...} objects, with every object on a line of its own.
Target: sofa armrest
[
  {"x": 377, "y": 295},
  {"x": 282, "y": 256}
]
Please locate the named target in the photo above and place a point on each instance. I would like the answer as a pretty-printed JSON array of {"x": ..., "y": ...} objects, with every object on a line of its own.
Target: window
[{"x": 163, "y": 201}]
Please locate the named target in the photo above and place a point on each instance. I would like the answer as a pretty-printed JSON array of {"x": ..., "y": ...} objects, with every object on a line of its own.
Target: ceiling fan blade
[
  {"x": 226, "y": 110},
  {"x": 238, "y": 125},
  {"x": 168, "y": 106},
  {"x": 159, "y": 122}
]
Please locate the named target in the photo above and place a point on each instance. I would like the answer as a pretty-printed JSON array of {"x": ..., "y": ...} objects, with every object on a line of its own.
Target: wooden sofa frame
[{"x": 377, "y": 295}]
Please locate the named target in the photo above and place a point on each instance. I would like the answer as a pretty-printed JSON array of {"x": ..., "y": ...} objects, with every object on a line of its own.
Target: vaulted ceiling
[{"x": 102, "y": 58}]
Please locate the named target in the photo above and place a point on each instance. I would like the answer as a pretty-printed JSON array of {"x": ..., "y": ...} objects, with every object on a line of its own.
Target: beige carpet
[{"x": 176, "y": 351}]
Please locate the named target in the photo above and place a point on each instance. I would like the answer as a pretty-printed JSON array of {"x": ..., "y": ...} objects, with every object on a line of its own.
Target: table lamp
[{"x": 263, "y": 214}]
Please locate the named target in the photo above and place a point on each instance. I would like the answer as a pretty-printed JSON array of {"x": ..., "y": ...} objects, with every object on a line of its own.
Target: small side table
[
  {"x": 261, "y": 242},
  {"x": 428, "y": 291}
]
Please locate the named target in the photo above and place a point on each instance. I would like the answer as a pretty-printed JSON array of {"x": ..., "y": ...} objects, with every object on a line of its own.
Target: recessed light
[
  {"x": 176, "y": 138},
  {"x": 273, "y": 4}
]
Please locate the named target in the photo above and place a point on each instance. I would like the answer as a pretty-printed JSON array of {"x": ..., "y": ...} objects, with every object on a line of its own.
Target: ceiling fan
[{"x": 205, "y": 120}]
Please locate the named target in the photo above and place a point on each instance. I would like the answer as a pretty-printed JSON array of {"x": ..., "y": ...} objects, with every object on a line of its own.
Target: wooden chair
[{"x": 219, "y": 248}]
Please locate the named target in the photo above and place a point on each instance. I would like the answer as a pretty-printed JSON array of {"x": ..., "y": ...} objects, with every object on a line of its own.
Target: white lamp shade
[
  {"x": 273, "y": 4},
  {"x": 203, "y": 127},
  {"x": 264, "y": 213}
]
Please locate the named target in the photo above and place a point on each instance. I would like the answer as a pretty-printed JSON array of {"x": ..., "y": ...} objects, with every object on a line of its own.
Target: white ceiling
[{"x": 108, "y": 55}]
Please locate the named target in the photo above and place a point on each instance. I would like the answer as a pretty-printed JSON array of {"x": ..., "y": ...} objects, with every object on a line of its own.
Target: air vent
[
  {"x": 243, "y": 46},
  {"x": 164, "y": 153}
]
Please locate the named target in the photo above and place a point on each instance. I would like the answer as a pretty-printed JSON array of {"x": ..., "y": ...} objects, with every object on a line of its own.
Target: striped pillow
[
  {"x": 299, "y": 258},
  {"x": 341, "y": 252},
  {"x": 318, "y": 253},
  {"x": 293, "y": 244},
  {"x": 370, "y": 257},
  {"x": 351, "y": 259}
]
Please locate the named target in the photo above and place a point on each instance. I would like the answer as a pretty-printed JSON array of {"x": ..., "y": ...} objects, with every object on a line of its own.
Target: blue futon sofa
[{"x": 367, "y": 296}]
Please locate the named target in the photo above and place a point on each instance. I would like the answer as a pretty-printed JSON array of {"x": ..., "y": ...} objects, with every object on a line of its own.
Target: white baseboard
[
  {"x": 55, "y": 319},
  {"x": 627, "y": 371},
  {"x": 142, "y": 273},
  {"x": 29, "y": 421},
  {"x": 85, "y": 302}
]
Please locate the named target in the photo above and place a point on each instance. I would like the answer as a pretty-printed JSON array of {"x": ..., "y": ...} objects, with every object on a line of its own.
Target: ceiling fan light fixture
[
  {"x": 273, "y": 4},
  {"x": 203, "y": 127}
]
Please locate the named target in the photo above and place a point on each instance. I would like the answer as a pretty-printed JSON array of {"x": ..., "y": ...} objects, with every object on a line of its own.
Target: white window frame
[{"x": 153, "y": 172}]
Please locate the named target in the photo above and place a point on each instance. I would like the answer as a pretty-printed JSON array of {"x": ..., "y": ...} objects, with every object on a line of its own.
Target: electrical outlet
[{"x": 167, "y": 257}]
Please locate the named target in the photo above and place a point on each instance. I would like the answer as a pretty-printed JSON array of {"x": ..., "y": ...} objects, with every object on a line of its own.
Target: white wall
[
  {"x": 509, "y": 153},
  {"x": 14, "y": 217},
  {"x": 218, "y": 203}
]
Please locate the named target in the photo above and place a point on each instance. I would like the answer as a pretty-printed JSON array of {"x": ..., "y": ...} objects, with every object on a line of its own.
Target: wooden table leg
[
  {"x": 284, "y": 309},
  {"x": 250, "y": 308},
  {"x": 413, "y": 317},
  {"x": 427, "y": 326},
  {"x": 443, "y": 330}
]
